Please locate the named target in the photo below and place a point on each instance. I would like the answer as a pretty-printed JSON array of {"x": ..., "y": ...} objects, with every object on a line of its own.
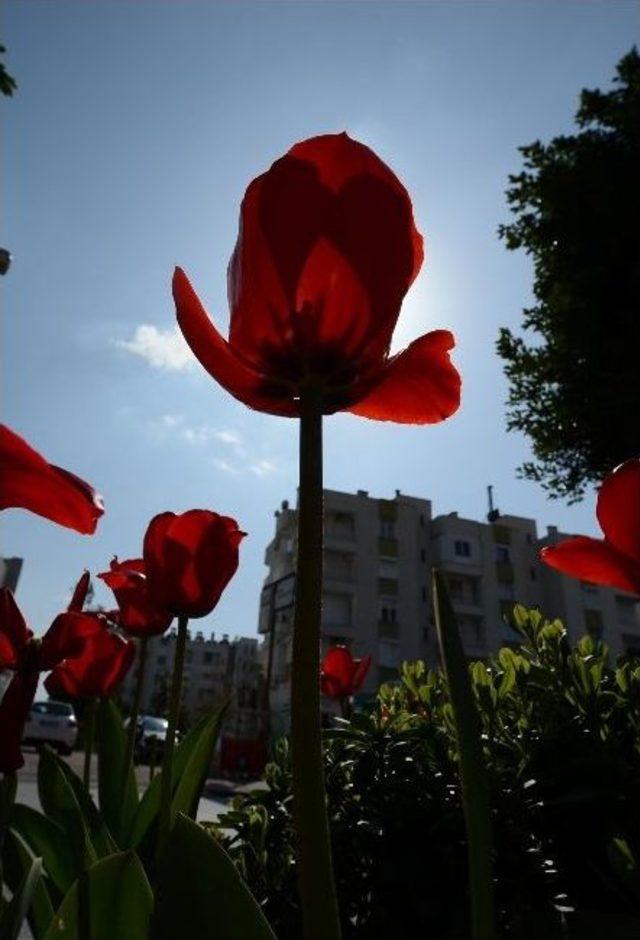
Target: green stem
[
  {"x": 164, "y": 824},
  {"x": 90, "y": 721},
  {"x": 473, "y": 774},
  {"x": 321, "y": 920},
  {"x": 135, "y": 711}
]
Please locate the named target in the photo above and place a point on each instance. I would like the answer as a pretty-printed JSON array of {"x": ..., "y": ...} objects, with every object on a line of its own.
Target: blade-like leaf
[
  {"x": 190, "y": 760},
  {"x": 473, "y": 777},
  {"x": 111, "y": 901},
  {"x": 118, "y": 795},
  {"x": 15, "y": 912},
  {"x": 59, "y": 802},
  {"x": 199, "y": 886},
  {"x": 18, "y": 859},
  {"x": 47, "y": 838}
]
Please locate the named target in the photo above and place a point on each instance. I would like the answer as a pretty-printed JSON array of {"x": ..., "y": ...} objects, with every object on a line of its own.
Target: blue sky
[{"x": 134, "y": 133}]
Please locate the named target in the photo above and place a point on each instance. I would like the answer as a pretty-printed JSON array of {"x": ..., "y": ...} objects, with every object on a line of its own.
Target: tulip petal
[
  {"x": 618, "y": 508},
  {"x": 418, "y": 386},
  {"x": 14, "y": 711},
  {"x": 219, "y": 359},
  {"x": 65, "y": 637},
  {"x": 14, "y": 634},
  {"x": 593, "y": 560},
  {"x": 80, "y": 593},
  {"x": 102, "y": 664},
  {"x": 138, "y": 614},
  {"x": 29, "y": 482},
  {"x": 360, "y": 672},
  {"x": 337, "y": 672}
]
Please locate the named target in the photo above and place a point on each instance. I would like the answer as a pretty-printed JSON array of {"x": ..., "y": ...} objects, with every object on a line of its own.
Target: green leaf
[
  {"x": 60, "y": 803},
  {"x": 111, "y": 901},
  {"x": 198, "y": 877},
  {"x": 118, "y": 795},
  {"x": 47, "y": 838},
  {"x": 15, "y": 912},
  {"x": 473, "y": 777},
  {"x": 191, "y": 761},
  {"x": 18, "y": 859}
]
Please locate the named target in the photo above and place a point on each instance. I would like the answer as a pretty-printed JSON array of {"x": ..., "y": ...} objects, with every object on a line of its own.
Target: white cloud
[
  {"x": 225, "y": 466},
  {"x": 263, "y": 467},
  {"x": 229, "y": 437},
  {"x": 162, "y": 349},
  {"x": 172, "y": 421}
]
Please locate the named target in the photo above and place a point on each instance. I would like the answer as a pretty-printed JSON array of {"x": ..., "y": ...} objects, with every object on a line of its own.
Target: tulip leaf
[
  {"x": 18, "y": 861},
  {"x": 59, "y": 802},
  {"x": 118, "y": 793},
  {"x": 111, "y": 901},
  {"x": 191, "y": 761},
  {"x": 200, "y": 892},
  {"x": 46, "y": 838},
  {"x": 473, "y": 776},
  {"x": 15, "y": 912}
]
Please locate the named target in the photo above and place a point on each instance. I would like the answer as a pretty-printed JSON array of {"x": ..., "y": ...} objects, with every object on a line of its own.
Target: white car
[{"x": 52, "y": 723}]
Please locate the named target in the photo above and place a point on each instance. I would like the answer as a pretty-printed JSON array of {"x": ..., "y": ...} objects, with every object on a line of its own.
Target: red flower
[
  {"x": 326, "y": 251},
  {"x": 614, "y": 560},
  {"x": 28, "y": 657},
  {"x": 101, "y": 666},
  {"x": 341, "y": 675},
  {"x": 138, "y": 613},
  {"x": 29, "y": 482},
  {"x": 190, "y": 559}
]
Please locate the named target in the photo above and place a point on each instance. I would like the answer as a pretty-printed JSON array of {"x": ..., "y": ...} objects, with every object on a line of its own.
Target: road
[{"x": 208, "y": 810}]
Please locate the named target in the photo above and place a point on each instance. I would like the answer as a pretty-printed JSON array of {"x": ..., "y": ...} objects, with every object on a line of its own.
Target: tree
[
  {"x": 575, "y": 390},
  {"x": 7, "y": 82}
]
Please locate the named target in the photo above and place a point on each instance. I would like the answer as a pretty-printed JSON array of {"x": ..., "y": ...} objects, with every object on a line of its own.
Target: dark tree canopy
[{"x": 575, "y": 389}]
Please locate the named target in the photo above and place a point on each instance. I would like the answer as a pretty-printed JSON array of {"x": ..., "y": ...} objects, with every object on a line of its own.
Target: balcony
[
  {"x": 387, "y": 547},
  {"x": 388, "y": 630}
]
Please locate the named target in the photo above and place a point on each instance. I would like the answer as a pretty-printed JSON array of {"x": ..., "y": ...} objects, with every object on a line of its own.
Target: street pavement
[{"x": 208, "y": 810}]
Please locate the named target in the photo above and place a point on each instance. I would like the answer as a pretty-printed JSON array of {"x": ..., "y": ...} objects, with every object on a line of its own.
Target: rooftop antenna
[{"x": 493, "y": 514}]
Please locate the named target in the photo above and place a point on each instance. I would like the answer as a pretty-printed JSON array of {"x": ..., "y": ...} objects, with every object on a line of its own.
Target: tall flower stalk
[
  {"x": 164, "y": 825},
  {"x": 135, "y": 711},
  {"x": 315, "y": 870}
]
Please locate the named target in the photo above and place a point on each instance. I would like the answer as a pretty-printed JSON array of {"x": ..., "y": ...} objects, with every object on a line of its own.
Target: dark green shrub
[{"x": 561, "y": 740}]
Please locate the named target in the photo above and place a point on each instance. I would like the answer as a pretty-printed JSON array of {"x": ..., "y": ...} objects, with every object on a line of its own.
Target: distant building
[
  {"x": 378, "y": 558},
  {"x": 214, "y": 671},
  {"x": 10, "y": 569}
]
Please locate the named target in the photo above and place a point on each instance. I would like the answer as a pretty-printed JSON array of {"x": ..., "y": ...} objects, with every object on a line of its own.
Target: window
[
  {"x": 388, "y": 569},
  {"x": 471, "y": 631},
  {"x": 387, "y": 586},
  {"x": 336, "y": 610},
  {"x": 388, "y": 613},
  {"x": 593, "y": 623},
  {"x": 456, "y": 589},
  {"x": 631, "y": 644},
  {"x": 424, "y": 593},
  {"x": 532, "y": 574},
  {"x": 627, "y": 611},
  {"x": 588, "y": 587},
  {"x": 502, "y": 554},
  {"x": 388, "y": 654},
  {"x": 207, "y": 658},
  {"x": 387, "y": 528},
  {"x": 423, "y": 555},
  {"x": 462, "y": 548}
]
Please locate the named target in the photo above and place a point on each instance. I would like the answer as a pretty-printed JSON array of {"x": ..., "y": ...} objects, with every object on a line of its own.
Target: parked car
[
  {"x": 52, "y": 723},
  {"x": 151, "y": 735}
]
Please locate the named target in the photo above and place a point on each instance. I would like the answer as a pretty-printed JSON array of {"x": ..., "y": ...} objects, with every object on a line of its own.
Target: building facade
[
  {"x": 378, "y": 559},
  {"x": 215, "y": 671}
]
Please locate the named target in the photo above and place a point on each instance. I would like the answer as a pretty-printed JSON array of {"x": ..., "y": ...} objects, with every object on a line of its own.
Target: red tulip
[
  {"x": 101, "y": 666},
  {"x": 28, "y": 657},
  {"x": 29, "y": 482},
  {"x": 190, "y": 559},
  {"x": 615, "y": 559},
  {"x": 326, "y": 251},
  {"x": 138, "y": 613},
  {"x": 341, "y": 675}
]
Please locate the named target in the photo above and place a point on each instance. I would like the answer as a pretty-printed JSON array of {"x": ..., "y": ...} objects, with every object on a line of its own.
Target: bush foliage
[{"x": 560, "y": 736}]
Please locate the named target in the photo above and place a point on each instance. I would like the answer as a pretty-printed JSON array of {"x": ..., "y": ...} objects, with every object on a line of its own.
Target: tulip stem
[
  {"x": 320, "y": 915},
  {"x": 164, "y": 823},
  {"x": 133, "y": 717},
  {"x": 89, "y": 729}
]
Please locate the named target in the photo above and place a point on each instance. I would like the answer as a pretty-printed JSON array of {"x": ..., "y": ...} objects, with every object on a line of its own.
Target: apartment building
[
  {"x": 378, "y": 558},
  {"x": 214, "y": 671}
]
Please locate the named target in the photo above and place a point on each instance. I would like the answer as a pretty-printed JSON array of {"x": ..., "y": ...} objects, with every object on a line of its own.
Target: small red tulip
[
  {"x": 138, "y": 614},
  {"x": 615, "y": 559},
  {"x": 190, "y": 559},
  {"x": 21, "y": 653},
  {"x": 326, "y": 251},
  {"x": 101, "y": 666},
  {"x": 341, "y": 675},
  {"x": 27, "y": 481}
]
